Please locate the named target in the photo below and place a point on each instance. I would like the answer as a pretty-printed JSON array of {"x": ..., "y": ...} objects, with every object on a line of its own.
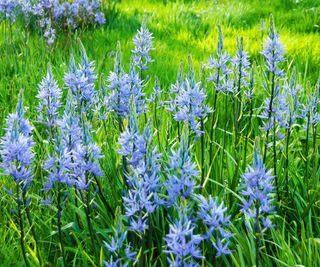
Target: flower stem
[
  {"x": 59, "y": 214},
  {"x": 21, "y": 225}
]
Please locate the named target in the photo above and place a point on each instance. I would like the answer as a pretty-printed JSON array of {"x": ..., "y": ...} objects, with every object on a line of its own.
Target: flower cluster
[
  {"x": 16, "y": 147},
  {"x": 81, "y": 82},
  {"x": 181, "y": 173},
  {"x": 189, "y": 105},
  {"x": 143, "y": 177},
  {"x": 257, "y": 194},
  {"x": 219, "y": 65},
  {"x": 212, "y": 214},
  {"x": 124, "y": 88},
  {"x": 159, "y": 210},
  {"x": 52, "y": 15},
  {"x": 182, "y": 244},
  {"x": 143, "y": 44},
  {"x": 49, "y": 95},
  {"x": 273, "y": 52}
]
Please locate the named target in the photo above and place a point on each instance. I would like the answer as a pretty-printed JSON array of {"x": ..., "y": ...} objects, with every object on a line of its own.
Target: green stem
[
  {"x": 31, "y": 225},
  {"x": 269, "y": 116},
  {"x": 286, "y": 167},
  {"x": 202, "y": 154},
  {"x": 306, "y": 152},
  {"x": 59, "y": 214},
  {"x": 213, "y": 118},
  {"x": 21, "y": 225},
  {"x": 275, "y": 158}
]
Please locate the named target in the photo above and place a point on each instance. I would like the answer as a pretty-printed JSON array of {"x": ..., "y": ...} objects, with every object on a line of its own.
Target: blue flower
[
  {"x": 16, "y": 147},
  {"x": 123, "y": 89},
  {"x": 273, "y": 51},
  {"x": 119, "y": 249},
  {"x": 143, "y": 175},
  {"x": 59, "y": 166},
  {"x": 80, "y": 80},
  {"x": 69, "y": 124},
  {"x": 49, "y": 96},
  {"x": 86, "y": 157},
  {"x": 222, "y": 249},
  {"x": 182, "y": 243},
  {"x": 257, "y": 193},
  {"x": 181, "y": 173},
  {"x": 212, "y": 214},
  {"x": 189, "y": 104},
  {"x": 241, "y": 64},
  {"x": 143, "y": 45}
]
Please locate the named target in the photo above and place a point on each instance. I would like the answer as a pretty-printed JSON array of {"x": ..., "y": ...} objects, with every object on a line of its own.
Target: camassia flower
[
  {"x": 257, "y": 194},
  {"x": 213, "y": 215},
  {"x": 124, "y": 88},
  {"x": 80, "y": 81},
  {"x": 189, "y": 105},
  {"x": 181, "y": 173},
  {"x": 143, "y": 45},
  {"x": 273, "y": 52},
  {"x": 69, "y": 124},
  {"x": 49, "y": 96},
  {"x": 182, "y": 244},
  {"x": 86, "y": 160},
  {"x": 143, "y": 174},
  {"x": 16, "y": 147}
]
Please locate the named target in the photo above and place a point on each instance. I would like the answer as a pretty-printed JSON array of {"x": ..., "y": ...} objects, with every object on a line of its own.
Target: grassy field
[{"x": 180, "y": 29}]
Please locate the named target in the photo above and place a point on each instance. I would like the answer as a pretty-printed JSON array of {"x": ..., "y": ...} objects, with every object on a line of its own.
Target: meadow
[{"x": 177, "y": 133}]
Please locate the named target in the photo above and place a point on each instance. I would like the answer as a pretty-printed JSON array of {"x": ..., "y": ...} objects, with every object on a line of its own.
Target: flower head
[
  {"x": 257, "y": 193},
  {"x": 143, "y": 45},
  {"x": 49, "y": 96}
]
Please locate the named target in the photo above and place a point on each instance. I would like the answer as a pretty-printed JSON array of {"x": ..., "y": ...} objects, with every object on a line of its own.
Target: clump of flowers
[
  {"x": 143, "y": 174},
  {"x": 181, "y": 173},
  {"x": 182, "y": 243},
  {"x": 49, "y": 96},
  {"x": 81, "y": 82},
  {"x": 54, "y": 15},
  {"x": 143, "y": 45},
  {"x": 122, "y": 89},
  {"x": 213, "y": 215},
  {"x": 16, "y": 151}
]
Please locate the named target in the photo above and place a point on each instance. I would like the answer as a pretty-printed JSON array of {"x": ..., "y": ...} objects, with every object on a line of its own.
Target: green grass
[{"x": 180, "y": 28}]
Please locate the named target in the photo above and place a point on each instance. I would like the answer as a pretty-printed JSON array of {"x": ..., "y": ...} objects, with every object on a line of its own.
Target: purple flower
[
  {"x": 181, "y": 173},
  {"x": 182, "y": 243},
  {"x": 16, "y": 147},
  {"x": 86, "y": 160},
  {"x": 49, "y": 96},
  {"x": 257, "y": 193},
  {"x": 189, "y": 104},
  {"x": 143, "y": 45},
  {"x": 123, "y": 89},
  {"x": 273, "y": 51},
  {"x": 80, "y": 80}
]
